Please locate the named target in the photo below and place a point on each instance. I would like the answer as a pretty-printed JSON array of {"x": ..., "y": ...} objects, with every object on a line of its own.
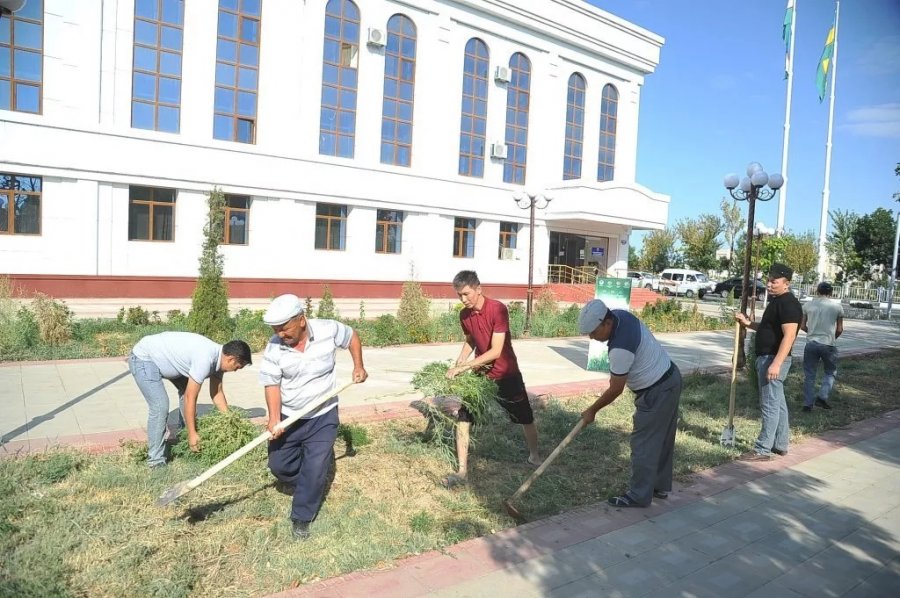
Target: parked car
[
  {"x": 646, "y": 280},
  {"x": 690, "y": 283},
  {"x": 725, "y": 288}
]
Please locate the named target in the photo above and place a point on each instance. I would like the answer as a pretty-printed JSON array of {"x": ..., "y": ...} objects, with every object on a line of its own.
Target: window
[
  {"x": 156, "y": 76},
  {"x": 20, "y": 204},
  {"x": 509, "y": 231},
  {"x": 574, "y": 128},
  {"x": 517, "y": 98},
  {"x": 609, "y": 108},
  {"x": 237, "y": 71},
  {"x": 151, "y": 214},
  {"x": 237, "y": 216},
  {"x": 399, "y": 87},
  {"x": 340, "y": 71},
  {"x": 331, "y": 226},
  {"x": 472, "y": 128},
  {"x": 21, "y": 58},
  {"x": 388, "y": 231},
  {"x": 464, "y": 237}
]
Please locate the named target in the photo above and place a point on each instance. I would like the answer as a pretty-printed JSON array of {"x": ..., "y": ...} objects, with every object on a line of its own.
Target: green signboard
[{"x": 616, "y": 294}]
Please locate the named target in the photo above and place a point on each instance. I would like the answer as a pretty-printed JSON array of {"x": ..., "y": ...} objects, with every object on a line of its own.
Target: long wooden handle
[
  {"x": 556, "y": 452},
  {"x": 734, "y": 361},
  {"x": 262, "y": 438}
]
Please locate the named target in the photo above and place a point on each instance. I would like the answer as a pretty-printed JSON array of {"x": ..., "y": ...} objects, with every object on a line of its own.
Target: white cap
[
  {"x": 282, "y": 309},
  {"x": 591, "y": 315}
]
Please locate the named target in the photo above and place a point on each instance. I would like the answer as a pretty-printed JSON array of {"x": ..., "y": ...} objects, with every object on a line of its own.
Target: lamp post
[
  {"x": 757, "y": 185},
  {"x": 529, "y": 201}
]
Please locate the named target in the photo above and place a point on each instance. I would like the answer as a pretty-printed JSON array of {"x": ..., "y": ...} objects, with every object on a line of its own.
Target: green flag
[
  {"x": 786, "y": 35},
  {"x": 825, "y": 64}
]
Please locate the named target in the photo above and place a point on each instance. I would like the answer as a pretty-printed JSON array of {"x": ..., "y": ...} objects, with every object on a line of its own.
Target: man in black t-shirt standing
[{"x": 775, "y": 334}]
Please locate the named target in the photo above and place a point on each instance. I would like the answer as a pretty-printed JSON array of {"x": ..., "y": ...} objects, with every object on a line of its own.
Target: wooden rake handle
[
  {"x": 734, "y": 361},
  {"x": 556, "y": 452},
  {"x": 183, "y": 489}
]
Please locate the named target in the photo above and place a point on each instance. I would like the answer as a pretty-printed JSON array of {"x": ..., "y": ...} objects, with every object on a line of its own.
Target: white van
[{"x": 690, "y": 283}]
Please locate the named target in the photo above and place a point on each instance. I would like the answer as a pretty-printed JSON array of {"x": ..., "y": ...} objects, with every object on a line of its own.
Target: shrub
[
  {"x": 18, "y": 331},
  {"x": 113, "y": 344},
  {"x": 209, "y": 303},
  {"x": 309, "y": 306},
  {"x": 250, "y": 328},
  {"x": 326, "y": 308},
  {"x": 387, "y": 331},
  {"x": 137, "y": 316},
  {"x": 414, "y": 313},
  {"x": 446, "y": 327},
  {"x": 546, "y": 303},
  {"x": 176, "y": 318},
  {"x": 54, "y": 320},
  {"x": 516, "y": 318}
]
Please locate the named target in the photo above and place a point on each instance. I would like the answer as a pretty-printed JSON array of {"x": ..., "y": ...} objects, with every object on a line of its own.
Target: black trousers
[{"x": 302, "y": 458}]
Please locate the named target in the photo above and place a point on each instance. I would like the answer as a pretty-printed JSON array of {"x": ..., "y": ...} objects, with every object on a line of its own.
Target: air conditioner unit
[
  {"x": 498, "y": 150},
  {"x": 501, "y": 73},
  {"x": 508, "y": 253},
  {"x": 376, "y": 37}
]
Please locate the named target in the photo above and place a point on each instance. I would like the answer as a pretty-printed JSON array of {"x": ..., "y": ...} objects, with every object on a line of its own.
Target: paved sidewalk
[
  {"x": 96, "y": 402},
  {"x": 823, "y": 521}
]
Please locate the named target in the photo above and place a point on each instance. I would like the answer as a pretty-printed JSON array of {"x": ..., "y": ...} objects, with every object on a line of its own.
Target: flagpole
[
  {"x": 782, "y": 199},
  {"x": 826, "y": 192}
]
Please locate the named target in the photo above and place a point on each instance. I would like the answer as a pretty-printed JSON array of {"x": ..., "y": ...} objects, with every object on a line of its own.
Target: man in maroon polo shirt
[{"x": 485, "y": 322}]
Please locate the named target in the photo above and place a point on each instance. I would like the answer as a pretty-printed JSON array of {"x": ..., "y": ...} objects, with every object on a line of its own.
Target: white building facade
[{"x": 355, "y": 142}]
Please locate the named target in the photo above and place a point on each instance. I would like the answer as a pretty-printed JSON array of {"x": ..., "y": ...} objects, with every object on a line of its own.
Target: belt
[{"x": 661, "y": 379}]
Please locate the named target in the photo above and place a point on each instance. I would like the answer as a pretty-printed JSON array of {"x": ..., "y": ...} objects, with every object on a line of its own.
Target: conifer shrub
[
  {"x": 414, "y": 313},
  {"x": 209, "y": 303},
  {"x": 326, "y": 308}
]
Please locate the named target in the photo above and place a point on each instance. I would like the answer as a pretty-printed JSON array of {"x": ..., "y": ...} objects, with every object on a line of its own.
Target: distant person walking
[
  {"x": 775, "y": 335},
  {"x": 636, "y": 359},
  {"x": 823, "y": 323},
  {"x": 185, "y": 359}
]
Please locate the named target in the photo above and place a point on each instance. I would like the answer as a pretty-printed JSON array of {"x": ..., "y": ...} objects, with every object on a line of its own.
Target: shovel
[
  {"x": 727, "y": 438},
  {"x": 508, "y": 503},
  {"x": 179, "y": 490}
]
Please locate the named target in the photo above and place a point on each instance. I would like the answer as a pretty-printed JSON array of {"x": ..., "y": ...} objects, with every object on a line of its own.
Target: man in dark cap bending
[{"x": 775, "y": 335}]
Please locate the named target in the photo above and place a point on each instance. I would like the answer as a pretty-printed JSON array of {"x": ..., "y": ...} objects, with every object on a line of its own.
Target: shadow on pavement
[
  {"x": 788, "y": 533},
  {"x": 51, "y": 414}
]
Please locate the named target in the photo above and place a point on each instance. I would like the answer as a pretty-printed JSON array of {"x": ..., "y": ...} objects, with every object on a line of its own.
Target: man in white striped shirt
[{"x": 297, "y": 368}]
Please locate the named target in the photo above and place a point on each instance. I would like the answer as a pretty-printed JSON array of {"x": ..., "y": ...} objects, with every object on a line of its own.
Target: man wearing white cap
[
  {"x": 637, "y": 360},
  {"x": 297, "y": 368}
]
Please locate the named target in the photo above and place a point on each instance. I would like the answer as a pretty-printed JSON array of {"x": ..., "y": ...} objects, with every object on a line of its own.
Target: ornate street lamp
[
  {"x": 757, "y": 185},
  {"x": 529, "y": 201}
]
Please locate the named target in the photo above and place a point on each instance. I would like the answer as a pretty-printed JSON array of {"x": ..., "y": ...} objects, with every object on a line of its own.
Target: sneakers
[
  {"x": 662, "y": 494},
  {"x": 754, "y": 456},
  {"x": 779, "y": 452},
  {"x": 300, "y": 529},
  {"x": 284, "y": 488},
  {"x": 822, "y": 403},
  {"x": 160, "y": 465},
  {"x": 807, "y": 408}
]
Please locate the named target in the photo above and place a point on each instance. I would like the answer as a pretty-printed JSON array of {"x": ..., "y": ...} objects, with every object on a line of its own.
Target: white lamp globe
[
  {"x": 759, "y": 178},
  {"x": 753, "y": 167},
  {"x": 732, "y": 181}
]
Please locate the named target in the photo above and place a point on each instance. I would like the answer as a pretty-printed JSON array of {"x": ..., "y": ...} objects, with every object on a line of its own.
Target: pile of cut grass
[
  {"x": 221, "y": 433},
  {"x": 83, "y": 525}
]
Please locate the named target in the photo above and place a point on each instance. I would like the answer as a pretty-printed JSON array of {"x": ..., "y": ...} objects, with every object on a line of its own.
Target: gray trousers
[{"x": 653, "y": 438}]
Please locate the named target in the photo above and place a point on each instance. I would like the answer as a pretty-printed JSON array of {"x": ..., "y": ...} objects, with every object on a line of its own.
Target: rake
[
  {"x": 727, "y": 438},
  {"x": 179, "y": 490}
]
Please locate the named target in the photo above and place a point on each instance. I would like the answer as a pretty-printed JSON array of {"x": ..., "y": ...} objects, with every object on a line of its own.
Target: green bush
[
  {"x": 516, "y": 318},
  {"x": 209, "y": 302},
  {"x": 326, "y": 308},
  {"x": 176, "y": 317},
  {"x": 137, "y": 316},
  {"x": 18, "y": 331},
  {"x": 250, "y": 328},
  {"x": 387, "y": 331},
  {"x": 445, "y": 327},
  {"x": 54, "y": 320},
  {"x": 670, "y": 316},
  {"x": 414, "y": 313}
]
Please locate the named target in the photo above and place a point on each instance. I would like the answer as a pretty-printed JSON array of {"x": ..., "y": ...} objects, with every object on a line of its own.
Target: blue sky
[{"x": 716, "y": 102}]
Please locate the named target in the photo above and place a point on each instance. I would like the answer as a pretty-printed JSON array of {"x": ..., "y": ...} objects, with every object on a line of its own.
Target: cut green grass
[{"x": 73, "y": 524}]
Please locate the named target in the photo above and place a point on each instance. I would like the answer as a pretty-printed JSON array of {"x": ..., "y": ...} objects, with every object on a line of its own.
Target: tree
[
  {"x": 733, "y": 225},
  {"x": 873, "y": 239},
  {"x": 634, "y": 262},
  {"x": 897, "y": 172},
  {"x": 700, "y": 240},
  {"x": 840, "y": 245},
  {"x": 209, "y": 303},
  {"x": 658, "y": 252},
  {"x": 802, "y": 254}
]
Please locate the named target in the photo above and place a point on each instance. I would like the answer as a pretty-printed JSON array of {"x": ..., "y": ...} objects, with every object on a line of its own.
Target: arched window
[
  {"x": 473, "y": 123},
  {"x": 517, "y": 98},
  {"x": 609, "y": 109},
  {"x": 399, "y": 89},
  {"x": 574, "y": 127},
  {"x": 340, "y": 69}
]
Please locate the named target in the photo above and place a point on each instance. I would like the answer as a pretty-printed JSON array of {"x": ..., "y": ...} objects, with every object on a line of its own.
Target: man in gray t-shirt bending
[
  {"x": 637, "y": 360},
  {"x": 186, "y": 360}
]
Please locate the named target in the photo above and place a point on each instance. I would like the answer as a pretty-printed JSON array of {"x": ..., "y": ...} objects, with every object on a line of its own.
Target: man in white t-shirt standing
[
  {"x": 186, "y": 360},
  {"x": 298, "y": 367},
  {"x": 823, "y": 323}
]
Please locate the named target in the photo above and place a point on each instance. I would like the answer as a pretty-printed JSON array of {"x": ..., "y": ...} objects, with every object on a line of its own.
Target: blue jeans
[
  {"x": 811, "y": 355},
  {"x": 150, "y": 383},
  {"x": 774, "y": 432}
]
